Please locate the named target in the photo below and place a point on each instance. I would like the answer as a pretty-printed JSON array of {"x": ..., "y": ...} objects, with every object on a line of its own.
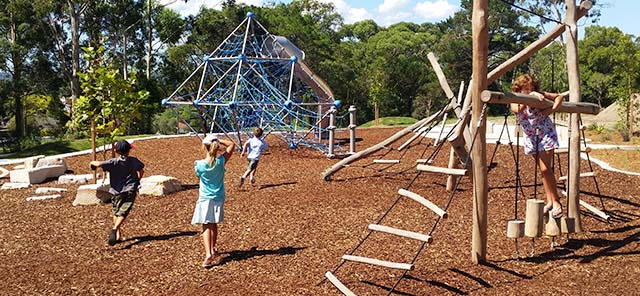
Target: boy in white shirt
[{"x": 253, "y": 148}]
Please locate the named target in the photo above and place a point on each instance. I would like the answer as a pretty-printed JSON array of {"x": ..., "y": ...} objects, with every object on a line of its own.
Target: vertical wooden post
[
  {"x": 574, "y": 96},
  {"x": 478, "y": 154},
  {"x": 93, "y": 148}
]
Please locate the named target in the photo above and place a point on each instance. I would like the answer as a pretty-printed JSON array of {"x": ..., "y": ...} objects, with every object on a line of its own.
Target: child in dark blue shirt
[{"x": 125, "y": 173}]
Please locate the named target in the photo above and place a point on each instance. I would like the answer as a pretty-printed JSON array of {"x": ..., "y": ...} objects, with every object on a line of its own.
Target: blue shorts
[{"x": 253, "y": 164}]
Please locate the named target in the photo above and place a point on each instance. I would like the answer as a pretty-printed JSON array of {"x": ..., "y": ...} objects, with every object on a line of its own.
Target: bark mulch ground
[{"x": 281, "y": 235}]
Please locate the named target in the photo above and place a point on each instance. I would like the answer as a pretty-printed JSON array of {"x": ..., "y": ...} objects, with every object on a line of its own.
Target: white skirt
[{"x": 207, "y": 212}]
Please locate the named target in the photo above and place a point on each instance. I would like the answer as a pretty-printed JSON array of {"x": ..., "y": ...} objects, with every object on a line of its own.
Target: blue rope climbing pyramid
[{"x": 254, "y": 78}]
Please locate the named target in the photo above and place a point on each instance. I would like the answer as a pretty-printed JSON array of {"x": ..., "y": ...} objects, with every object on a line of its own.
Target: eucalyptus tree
[
  {"x": 20, "y": 37},
  {"x": 65, "y": 21},
  {"x": 396, "y": 69},
  {"x": 610, "y": 67}
]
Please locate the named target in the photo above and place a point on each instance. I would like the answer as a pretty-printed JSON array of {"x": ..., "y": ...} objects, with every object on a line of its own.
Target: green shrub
[
  {"x": 598, "y": 128},
  {"x": 605, "y": 136},
  {"x": 165, "y": 123},
  {"x": 623, "y": 129}
]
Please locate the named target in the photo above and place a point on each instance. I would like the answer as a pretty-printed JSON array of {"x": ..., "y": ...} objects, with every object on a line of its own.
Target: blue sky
[{"x": 615, "y": 13}]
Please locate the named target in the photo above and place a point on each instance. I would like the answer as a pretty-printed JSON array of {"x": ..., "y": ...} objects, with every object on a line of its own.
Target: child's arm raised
[{"x": 230, "y": 147}]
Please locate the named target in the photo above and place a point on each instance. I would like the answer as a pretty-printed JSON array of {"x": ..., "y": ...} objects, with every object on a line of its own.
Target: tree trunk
[
  {"x": 149, "y": 39},
  {"x": 16, "y": 59},
  {"x": 124, "y": 54},
  {"x": 74, "y": 16},
  {"x": 376, "y": 114}
]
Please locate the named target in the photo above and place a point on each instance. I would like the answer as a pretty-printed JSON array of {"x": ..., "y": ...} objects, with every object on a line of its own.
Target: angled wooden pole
[
  {"x": 496, "y": 97},
  {"x": 574, "y": 96},
  {"x": 534, "y": 47},
  {"x": 480, "y": 35}
]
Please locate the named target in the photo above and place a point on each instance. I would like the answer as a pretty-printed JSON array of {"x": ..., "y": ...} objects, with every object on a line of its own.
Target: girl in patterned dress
[{"x": 541, "y": 137}]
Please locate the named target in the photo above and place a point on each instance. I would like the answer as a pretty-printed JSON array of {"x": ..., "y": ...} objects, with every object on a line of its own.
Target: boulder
[
  {"x": 36, "y": 175},
  {"x": 51, "y": 161},
  {"x": 44, "y": 197},
  {"x": 3, "y": 172},
  {"x": 9, "y": 185},
  {"x": 159, "y": 185},
  {"x": 92, "y": 194},
  {"x": 31, "y": 162},
  {"x": 47, "y": 190},
  {"x": 75, "y": 179}
]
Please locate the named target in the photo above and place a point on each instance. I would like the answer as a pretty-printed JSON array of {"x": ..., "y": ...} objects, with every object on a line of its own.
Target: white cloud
[
  {"x": 385, "y": 14},
  {"x": 355, "y": 15},
  {"x": 350, "y": 14},
  {"x": 192, "y": 7},
  {"x": 434, "y": 10},
  {"x": 391, "y": 6}
]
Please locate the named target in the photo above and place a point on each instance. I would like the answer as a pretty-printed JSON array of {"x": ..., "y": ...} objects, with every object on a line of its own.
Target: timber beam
[{"x": 495, "y": 97}]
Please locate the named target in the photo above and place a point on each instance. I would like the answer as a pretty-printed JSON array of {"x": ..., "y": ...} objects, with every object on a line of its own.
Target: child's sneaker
[
  {"x": 241, "y": 182},
  {"x": 253, "y": 181}
]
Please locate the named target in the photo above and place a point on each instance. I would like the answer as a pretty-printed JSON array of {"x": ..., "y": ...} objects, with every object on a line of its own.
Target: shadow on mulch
[
  {"x": 254, "y": 252},
  {"x": 265, "y": 186},
  {"x": 149, "y": 238},
  {"x": 608, "y": 248},
  {"x": 437, "y": 284},
  {"x": 395, "y": 292}
]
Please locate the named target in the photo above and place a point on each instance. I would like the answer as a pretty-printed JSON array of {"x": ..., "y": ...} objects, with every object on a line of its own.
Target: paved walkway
[{"x": 494, "y": 135}]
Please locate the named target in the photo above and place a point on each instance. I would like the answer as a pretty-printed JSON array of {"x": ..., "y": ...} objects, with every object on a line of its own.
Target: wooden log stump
[{"x": 533, "y": 218}]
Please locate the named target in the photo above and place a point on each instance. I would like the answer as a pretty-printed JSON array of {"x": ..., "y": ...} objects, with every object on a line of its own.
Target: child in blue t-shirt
[
  {"x": 253, "y": 148},
  {"x": 209, "y": 209}
]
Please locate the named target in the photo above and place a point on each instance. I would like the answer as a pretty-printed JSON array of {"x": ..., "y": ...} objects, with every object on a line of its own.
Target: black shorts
[{"x": 122, "y": 203}]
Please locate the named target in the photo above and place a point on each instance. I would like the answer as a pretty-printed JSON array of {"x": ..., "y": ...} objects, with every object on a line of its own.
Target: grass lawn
[{"x": 54, "y": 147}]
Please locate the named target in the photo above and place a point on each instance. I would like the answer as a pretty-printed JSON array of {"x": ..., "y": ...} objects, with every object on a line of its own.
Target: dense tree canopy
[{"x": 366, "y": 64}]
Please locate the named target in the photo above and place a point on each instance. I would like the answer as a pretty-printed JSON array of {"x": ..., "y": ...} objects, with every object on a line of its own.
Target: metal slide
[{"x": 302, "y": 70}]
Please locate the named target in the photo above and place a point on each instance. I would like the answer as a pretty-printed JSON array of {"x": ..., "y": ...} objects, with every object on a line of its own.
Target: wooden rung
[
  {"x": 566, "y": 150},
  {"x": 424, "y": 202},
  {"x": 582, "y": 175},
  {"x": 591, "y": 208},
  {"x": 409, "y": 141},
  {"x": 389, "y": 264},
  {"x": 595, "y": 210},
  {"x": 338, "y": 284},
  {"x": 400, "y": 232},
  {"x": 441, "y": 170},
  {"x": 386, "y": 161},
  {"x": 424, "y": 161}
]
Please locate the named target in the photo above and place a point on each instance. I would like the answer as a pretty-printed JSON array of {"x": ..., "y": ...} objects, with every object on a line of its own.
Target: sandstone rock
[
  {"x": 159, "y": 185},
  {"x": 36, "y": 175},
  {"x": 52, "y": 161},
  {"x": 75, "y": 179},
  {"x": 9, "y": 185},
  {"x": 47, "y": 190},
  {"x": 92, "y": 194},
  {"x": 44, "y": 197}
]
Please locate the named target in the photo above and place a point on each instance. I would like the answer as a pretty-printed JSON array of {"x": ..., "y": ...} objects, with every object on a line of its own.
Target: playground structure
[
  {"x": 254, "y": 78},
  {"x": 468, "y": 149}
]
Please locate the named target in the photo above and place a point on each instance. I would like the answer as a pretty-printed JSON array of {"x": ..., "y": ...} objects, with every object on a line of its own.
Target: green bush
[
  {"x": 598, "y": 128},
  {"x": 165, "y": 123},
  {"x": 623, "y": 129},
  {"x": 605, "y": 136}
]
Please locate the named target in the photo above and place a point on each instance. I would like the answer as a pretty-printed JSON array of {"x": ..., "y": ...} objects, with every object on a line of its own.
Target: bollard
[{"x": 352, "y": 129}]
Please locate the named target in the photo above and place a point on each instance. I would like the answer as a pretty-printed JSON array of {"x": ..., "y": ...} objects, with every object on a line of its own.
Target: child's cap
[
  {"x": 122, "y": 146},
  {"x": 209, "y": 139}
]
